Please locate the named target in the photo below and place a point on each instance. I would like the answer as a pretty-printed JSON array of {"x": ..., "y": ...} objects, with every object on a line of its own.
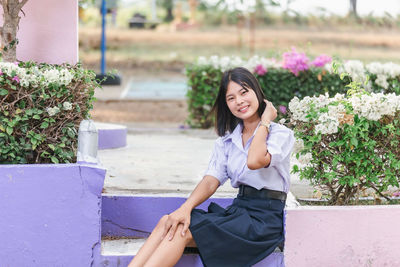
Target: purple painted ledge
[
  {"x": 50, "y": 214},
  {"x": 111, "y": 135}
]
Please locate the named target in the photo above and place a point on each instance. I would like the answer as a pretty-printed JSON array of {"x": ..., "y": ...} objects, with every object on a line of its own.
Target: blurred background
[{"x": 149, "y": 42}]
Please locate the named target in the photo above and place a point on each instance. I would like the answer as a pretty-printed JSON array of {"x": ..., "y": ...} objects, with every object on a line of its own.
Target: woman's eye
[{"x": 244, "y": 92}]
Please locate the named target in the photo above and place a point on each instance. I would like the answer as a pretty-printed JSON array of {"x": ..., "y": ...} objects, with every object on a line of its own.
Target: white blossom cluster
[
  {"x": 383, "y": 72},
  {"x": 61, "y": 77},
  {"x": 375, "y": 106},
  {"x": 52, "y": 111},
  {"x": 331, "y": 111},
  {"x": 225, "y": 63},
  {"x": 35, "y": 77},
  {"x": 67, "y": 106},
  {"x": 358, "y": 72},
  {"x": 25, "y": 77}
]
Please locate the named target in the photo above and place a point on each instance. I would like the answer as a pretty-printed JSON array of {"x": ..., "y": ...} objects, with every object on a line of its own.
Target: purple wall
[
  {"x": 135, "y": 216},
  {"x": 50, "y": 214}
]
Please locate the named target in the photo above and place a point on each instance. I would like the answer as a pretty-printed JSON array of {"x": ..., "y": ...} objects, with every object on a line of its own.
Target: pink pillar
[{"x": 48, "y": 32}]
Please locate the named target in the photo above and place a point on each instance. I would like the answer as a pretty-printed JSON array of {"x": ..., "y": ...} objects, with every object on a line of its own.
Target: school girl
[{"x": 253, "y": 152}]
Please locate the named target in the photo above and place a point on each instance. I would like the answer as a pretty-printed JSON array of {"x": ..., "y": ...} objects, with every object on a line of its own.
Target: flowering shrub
[
  {"x": 41, "y": 106},
  {"x": 295, "y": 62},
  {"x": 282, "y": 80},
  {"x": 346, "y": 144}
]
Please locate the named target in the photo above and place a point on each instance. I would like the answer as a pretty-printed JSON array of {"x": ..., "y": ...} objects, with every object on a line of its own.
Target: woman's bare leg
[
  {"x": 150, "y": 245},
  {"x": 169, "y": 252}
]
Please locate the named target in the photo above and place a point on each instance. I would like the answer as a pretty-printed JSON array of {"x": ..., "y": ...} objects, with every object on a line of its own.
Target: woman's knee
[{"x": 188, "y": 235}]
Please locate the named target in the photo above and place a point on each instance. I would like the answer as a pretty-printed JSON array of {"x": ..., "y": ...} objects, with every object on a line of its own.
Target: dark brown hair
[{"x": 225, "y": 121}]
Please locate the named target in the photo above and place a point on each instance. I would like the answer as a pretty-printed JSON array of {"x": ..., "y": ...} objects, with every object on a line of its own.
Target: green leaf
[
  {"x": 44, "y": 125},
  {"x": 3, "y": 92},
  {"x": 54, "y": 160},
  {"x": 354, "y": 141},
  {"x": 36, "y": 117},
  {"x": 9, "y": 130},
  {"x": 52, "y": 147}
]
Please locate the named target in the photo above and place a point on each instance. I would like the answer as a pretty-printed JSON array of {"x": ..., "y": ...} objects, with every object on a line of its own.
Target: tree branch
[{"x": 21, "y": 4}]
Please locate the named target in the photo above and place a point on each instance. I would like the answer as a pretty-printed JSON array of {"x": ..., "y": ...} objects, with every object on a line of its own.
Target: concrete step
[{"x": 119, "y": 252}]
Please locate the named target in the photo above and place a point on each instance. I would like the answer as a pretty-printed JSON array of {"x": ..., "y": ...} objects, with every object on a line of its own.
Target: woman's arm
[
  {"x": 258, "y": 156},
  {"x": 204, "y": 189}
]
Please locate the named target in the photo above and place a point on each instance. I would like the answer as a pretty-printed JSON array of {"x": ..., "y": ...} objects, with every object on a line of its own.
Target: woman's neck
[{"x": 250, "y": 125}]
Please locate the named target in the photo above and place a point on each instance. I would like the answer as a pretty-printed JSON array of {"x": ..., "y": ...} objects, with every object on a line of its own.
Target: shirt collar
[{"x": 236, "y": 135}]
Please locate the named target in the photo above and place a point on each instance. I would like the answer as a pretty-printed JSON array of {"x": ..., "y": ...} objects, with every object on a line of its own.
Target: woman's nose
[{"x": 239, "y": 100}]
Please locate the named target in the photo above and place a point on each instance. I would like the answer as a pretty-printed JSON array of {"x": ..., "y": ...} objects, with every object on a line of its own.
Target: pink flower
[
  {"x": 295, "y": 62},
  {"x": 1, "y": 73},
  {"x": 260, "y": 70},
  {"x": 396, "y": 194},
  {"x": 15, "y": 78},
  {"x": 282, "y": 109},
  {"x": 321, "y": 60}
]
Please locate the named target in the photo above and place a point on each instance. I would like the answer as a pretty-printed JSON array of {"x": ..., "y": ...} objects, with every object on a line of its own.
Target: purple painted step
[
  {"x": 136, "y": 216},
  {"x": 111, "y": 135}
]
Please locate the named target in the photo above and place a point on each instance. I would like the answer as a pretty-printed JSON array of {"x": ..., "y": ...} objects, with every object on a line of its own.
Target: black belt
[{"x": 251, "y": 192}]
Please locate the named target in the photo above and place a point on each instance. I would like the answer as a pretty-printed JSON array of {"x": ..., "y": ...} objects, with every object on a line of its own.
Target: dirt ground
[
  {"x": 163, "y": 48},
  {"x": 127, "y": 111}
]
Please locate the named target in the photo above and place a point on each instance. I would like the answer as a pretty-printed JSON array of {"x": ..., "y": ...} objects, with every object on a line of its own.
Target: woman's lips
[{"x": 244, "y": 109}]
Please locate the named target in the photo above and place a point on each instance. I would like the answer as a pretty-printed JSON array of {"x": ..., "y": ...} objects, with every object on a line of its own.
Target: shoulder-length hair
[{"x": 225, "y": 121}]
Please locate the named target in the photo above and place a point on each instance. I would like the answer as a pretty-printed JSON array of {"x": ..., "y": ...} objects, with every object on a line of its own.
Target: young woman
[{"x": 254, "y": 153}]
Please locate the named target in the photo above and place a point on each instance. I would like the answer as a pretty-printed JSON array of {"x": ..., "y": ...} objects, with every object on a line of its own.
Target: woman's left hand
[{"x": 269, "y": 113}]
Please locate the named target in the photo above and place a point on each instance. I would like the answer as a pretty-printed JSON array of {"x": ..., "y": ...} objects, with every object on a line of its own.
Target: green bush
[
  {"x": 347, "y": 144},
  {"x": 41, "y": 106}
]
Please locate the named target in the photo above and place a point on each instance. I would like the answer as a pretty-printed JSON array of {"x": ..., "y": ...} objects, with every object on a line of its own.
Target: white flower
[
  {"x": 67, "y": 106},
  {"x": 356, "y": 70},
  {"x": 305, "y": 159},
  {"x": 52, "y": 111},
  {"x": 202, "y": 61},
  {"x": 298, "y": 145},
  {"x": 282, "y": 121},
  {"x": 381, "y": 80}
]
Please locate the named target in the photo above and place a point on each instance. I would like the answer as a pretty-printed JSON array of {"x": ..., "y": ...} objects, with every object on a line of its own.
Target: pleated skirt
[{"x": 241, "y": 235}]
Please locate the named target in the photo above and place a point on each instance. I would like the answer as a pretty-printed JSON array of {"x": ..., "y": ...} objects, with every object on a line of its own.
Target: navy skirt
[{"x": 241, "y": 235}]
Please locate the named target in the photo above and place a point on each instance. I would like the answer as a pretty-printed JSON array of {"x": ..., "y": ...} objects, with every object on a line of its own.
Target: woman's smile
[{"x": 244, "y": 109}]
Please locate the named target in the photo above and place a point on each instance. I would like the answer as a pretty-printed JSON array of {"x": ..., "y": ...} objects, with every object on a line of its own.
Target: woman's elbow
[
  {"x": 254, "y": 165},
  {"x": 257, "y": 164}
]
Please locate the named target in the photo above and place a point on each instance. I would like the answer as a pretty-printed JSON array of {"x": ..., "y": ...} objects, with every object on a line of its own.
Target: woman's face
[{"x": 242, "y": 102}]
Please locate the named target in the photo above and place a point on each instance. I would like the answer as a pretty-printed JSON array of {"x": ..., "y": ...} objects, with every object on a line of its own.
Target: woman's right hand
[{"x": 179, "y": 216}]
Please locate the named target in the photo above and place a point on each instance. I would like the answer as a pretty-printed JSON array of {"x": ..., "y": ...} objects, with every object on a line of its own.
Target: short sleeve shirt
[{"x": 229, "y": 160}]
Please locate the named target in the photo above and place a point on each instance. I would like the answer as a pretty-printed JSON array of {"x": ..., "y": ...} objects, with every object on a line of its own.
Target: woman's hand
[
  {"x": 179, "y": 216},
  {"x": 269, "y": 113}
]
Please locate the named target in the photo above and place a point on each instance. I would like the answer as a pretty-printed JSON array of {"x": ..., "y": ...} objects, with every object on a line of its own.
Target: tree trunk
[
  {"x": 8, "y": 31},
  {"x": 353, "y": 8}
]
